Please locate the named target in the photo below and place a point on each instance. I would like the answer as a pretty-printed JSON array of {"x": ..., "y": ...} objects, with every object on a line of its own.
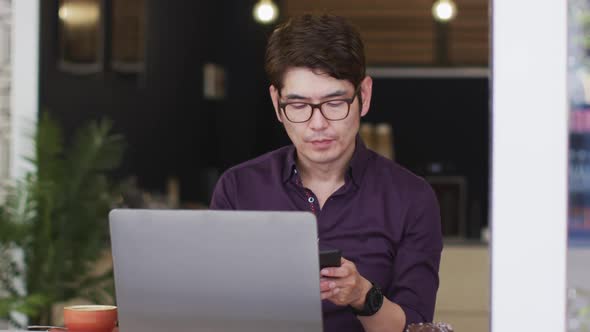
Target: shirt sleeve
[
  {"x": 415, "y": 269},
  {"x": 224, "y": 194}
]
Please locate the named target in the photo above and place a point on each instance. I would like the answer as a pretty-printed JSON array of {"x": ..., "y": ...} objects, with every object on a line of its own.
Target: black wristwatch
[{"x": 373, "y": 302}]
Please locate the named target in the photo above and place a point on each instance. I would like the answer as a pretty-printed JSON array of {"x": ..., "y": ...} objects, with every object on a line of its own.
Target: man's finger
[
  {"x": 330, "y": 295},
  {"x": 326, "y": 295},
  {"x": 336, "y": 272},
  {"x": 326, "y": 285},
  {"x": 344, "y": 283}
]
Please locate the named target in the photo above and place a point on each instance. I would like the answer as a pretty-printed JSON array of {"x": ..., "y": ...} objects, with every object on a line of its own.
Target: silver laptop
[{"x": 178, "y": 270}]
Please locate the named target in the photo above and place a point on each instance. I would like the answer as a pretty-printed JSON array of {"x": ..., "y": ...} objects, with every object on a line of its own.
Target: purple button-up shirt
[{"x": 384, "y": 219}]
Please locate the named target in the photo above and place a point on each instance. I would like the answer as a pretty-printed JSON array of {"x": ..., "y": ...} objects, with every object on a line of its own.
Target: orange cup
[{"x": 90, "y": 318}]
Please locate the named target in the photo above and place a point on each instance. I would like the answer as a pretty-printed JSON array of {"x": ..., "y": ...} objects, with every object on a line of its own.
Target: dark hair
[{"x": 324, "y": 43}]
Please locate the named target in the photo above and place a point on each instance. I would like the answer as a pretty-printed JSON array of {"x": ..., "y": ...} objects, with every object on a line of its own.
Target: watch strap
[{"x": 373, "y": 302}]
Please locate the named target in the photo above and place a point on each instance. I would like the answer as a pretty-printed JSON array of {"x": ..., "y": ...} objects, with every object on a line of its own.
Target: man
[{"x": 384, "y": 219}]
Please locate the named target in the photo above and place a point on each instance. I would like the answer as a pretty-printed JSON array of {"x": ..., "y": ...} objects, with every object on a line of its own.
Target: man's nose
[{"x": 317, "y": 121}]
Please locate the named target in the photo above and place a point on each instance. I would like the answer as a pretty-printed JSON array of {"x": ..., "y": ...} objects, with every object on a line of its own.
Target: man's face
[{"x": 320, "y": 140}]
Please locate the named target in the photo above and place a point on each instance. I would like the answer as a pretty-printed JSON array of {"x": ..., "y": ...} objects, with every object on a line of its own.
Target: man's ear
[
  {"x": 274, "y": 96},
  {"x": 366, "y": 93}
]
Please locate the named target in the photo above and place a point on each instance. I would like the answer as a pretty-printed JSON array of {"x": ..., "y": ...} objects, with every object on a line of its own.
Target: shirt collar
[
  {"x": 289, "y": 168},
  {"x": 357, "y": 165}
]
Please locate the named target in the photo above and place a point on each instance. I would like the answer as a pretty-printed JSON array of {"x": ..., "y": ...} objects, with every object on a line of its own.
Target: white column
[
  {"x": 25, "y": 84},
  {"x": 5, "y": 24},
  {"x": 24, "y": 98},
  {"x": 5, "y": 32},
  {"x": 529, "y": 168}
]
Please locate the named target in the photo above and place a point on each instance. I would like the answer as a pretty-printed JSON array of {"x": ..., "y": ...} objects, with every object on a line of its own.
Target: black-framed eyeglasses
[{"x": 332, "y": 110}]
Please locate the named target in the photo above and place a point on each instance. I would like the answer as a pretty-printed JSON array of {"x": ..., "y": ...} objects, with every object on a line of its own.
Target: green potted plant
[{"x": 55, "y": 219}]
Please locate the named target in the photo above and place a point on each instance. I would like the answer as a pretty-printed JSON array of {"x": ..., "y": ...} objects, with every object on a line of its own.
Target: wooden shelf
[{"x": 428, "y": 72}]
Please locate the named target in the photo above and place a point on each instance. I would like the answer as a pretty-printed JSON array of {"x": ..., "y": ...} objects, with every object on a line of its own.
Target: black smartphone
[{"x": 330, "y": 258}]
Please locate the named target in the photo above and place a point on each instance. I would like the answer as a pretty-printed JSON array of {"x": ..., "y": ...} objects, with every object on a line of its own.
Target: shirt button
[{"x": 311, "y": 200}]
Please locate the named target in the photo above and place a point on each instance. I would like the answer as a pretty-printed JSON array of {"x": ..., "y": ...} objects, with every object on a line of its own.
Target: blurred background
[
  {"x": 184, "y": 85},
  {"x": 183, "y": 82}
]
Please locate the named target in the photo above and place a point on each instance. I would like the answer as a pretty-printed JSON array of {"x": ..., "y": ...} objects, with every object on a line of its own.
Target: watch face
[{"x": 376, "y": 299}]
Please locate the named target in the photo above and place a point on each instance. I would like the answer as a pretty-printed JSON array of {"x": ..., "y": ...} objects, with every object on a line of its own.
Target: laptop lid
[{"x": 180, "y": 270}]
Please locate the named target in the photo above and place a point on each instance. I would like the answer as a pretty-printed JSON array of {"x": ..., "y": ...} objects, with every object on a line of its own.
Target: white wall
[
  {"x": 24, "y": 96},
  {"x": 5, "y": 32},
  {"x": 529, "y": 167},
  {"x": 25, "y": 84}
]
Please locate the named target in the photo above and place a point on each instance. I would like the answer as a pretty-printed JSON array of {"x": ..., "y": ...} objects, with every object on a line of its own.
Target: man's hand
[{"x": 344, "y": 285}]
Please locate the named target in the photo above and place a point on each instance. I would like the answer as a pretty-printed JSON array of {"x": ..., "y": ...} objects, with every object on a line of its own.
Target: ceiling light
[
  {"x": 79, "y": 13},
  {"x": 444, "y": 10},
  {"x": 265, "y": 11}
]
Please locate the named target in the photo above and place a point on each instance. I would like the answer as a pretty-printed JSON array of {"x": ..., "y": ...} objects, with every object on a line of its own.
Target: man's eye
[
  {"x": 298, "y": 106},
  {"x": 336, "y": 103}
]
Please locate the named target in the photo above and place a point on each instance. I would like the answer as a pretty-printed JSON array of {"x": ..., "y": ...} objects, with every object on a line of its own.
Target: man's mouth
[{"x": 322, "y": 143}]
